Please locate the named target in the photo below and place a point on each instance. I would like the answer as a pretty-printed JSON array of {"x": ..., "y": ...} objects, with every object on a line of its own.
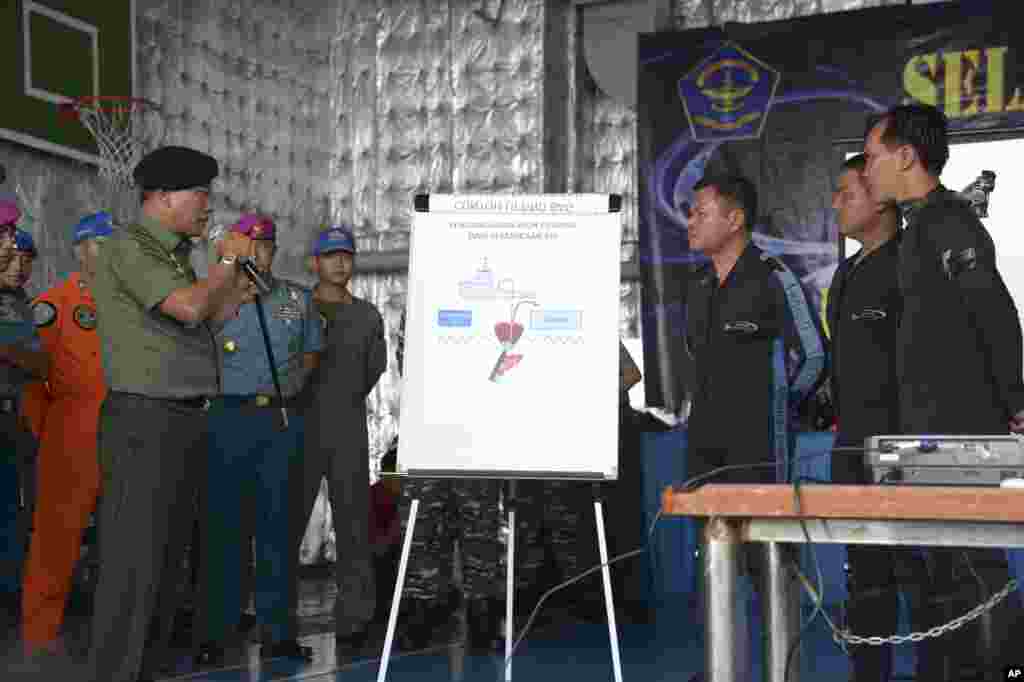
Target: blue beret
[
  {"x": 91, "y": 226},
  {"x": 23, "y": 242},
  {"x": 171, "y": 169}
]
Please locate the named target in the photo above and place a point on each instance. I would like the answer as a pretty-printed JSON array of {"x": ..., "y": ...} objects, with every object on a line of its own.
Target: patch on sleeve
[
  {"x": 44, "y": 314},
  {"x": 324, "y": 321}
]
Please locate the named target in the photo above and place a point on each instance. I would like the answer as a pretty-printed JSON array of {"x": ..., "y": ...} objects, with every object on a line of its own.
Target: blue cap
[
  {"x": 23, "y": 242},
  {"x": 91, "y": 226},
  {"x": 334, "y": 239}
]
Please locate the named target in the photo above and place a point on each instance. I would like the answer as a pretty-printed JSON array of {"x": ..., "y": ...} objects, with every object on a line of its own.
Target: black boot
[
  {"x": 485, "y": 618},
  {"x": 286, "y": 648},
  {"x": 210, "y": 654},
  {"x": 871, "y": 614},
  {"x": 415, "y": 624}
]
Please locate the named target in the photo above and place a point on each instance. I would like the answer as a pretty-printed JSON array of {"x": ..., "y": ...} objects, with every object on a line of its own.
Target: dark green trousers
[{"x": 151, "y": 452}]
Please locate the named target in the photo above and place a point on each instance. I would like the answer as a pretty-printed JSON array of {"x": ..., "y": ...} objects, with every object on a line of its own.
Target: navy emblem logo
[
  {"x": 44, "y": 314},
  {"x": 85, "y": 317},
  {"x": 727, "y": 96}
]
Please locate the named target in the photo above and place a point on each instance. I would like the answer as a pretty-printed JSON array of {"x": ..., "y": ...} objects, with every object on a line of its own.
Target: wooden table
[{"x": 870, "y": 515}]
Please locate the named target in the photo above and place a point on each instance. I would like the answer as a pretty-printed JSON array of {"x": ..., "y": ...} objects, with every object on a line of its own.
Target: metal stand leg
[
  {"x": 726, "y": 636},
  {"x": 397, "y": 598},
  {"x": 780, "y": 599},
  {"x": 609, "y": 600},
  {"x": 510, "y": 581}
]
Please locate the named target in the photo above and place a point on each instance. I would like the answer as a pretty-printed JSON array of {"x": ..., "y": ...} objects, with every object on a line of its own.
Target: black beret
[{"x": 171, "y": 169}]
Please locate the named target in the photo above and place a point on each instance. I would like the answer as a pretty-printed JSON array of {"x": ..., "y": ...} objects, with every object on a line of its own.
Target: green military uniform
[
  {"x": 336, "y": 446},
  {"x": 153, "y": 433}
]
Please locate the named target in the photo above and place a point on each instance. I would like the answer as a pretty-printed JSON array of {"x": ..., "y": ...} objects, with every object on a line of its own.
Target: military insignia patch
[
  {"x": 728, "y": 95},
  {"x": 85, "y": 317},
  {"x": 44, "y": 314}
]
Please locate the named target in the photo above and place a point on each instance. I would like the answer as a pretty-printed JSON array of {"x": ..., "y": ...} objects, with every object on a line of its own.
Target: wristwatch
[{"x": 227, "y": 260}]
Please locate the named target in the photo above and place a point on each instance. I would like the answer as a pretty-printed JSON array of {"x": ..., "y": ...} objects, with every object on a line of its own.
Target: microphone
[
  {"x": 248, "y": 265},
  {"x": 249, "y": 268}
]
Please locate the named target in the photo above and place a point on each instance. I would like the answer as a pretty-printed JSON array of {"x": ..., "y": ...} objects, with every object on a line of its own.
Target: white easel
[{"x": 509, "y": 587}]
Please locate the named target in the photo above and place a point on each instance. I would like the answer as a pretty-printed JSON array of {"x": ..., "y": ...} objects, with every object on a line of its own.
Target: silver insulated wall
[{"x": 342, "y": 111}]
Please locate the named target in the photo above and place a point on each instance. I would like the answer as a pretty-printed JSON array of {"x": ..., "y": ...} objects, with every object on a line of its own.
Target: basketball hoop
[{"x": 118, "y": 124}]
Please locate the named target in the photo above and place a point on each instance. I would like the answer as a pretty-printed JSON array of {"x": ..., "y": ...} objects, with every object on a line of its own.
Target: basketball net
[{"x": 119, "y": 125}]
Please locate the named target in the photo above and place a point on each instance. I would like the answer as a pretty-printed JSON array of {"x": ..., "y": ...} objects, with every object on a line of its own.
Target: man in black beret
[{"x": 157, "y": 323}]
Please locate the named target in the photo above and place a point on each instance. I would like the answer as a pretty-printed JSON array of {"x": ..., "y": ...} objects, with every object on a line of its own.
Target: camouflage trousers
[
  {"x": 555, "y": 537},
  {"x": 464, "y": 511}
]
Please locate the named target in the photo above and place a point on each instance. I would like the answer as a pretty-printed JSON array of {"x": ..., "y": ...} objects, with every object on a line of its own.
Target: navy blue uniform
[
  {"x": 960, "y": 373},
  {"x": 758, "y": 354},
  {"x": 864, "y": 311},
  {"x": 250, "y": 456},
  {"x": 17, "y": 447}
]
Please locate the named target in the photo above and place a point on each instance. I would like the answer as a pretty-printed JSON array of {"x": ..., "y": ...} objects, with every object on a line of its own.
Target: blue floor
[{"x": 672, "y": 649}]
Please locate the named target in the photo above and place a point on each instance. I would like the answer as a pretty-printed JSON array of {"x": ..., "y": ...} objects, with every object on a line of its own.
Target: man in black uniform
[
  {"x": 757, "y": 348},
  {"x": 756, "y": 343},
  {"x": 863, "y": 311},
  {"x": 960, "y": 360}
]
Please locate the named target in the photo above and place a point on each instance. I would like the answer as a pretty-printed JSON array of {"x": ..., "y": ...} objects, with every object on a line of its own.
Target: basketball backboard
[{"x": 52, "y": 50}]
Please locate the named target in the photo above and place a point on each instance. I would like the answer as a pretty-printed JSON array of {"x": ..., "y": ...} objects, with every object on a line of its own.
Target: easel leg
[
  {"x": 609, "y": 602},
  {"x": 397, "y": 598},
  {"x": 510, "y": 581}
]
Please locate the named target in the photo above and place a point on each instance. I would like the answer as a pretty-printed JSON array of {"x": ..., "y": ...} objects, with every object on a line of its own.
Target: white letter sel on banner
[{"x": 512, "y": 338}]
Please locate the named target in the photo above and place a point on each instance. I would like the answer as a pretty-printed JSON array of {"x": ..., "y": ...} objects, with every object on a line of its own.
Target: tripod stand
[{"x": 509, "y": 585}]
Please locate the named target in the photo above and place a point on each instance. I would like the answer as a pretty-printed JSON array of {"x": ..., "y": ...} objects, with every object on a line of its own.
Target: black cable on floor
[{"x": 687, "y": 486}]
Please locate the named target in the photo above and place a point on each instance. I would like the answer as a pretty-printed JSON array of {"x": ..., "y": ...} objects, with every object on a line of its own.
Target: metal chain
[{"x": 843, "y": 637}]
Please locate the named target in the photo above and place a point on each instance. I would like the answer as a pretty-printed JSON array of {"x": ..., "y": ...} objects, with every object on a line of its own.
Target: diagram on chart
[
  {"x": 489, "y": 302},
  {"x": 485, "y": 286},
  {"x": 508, "y": 333}
]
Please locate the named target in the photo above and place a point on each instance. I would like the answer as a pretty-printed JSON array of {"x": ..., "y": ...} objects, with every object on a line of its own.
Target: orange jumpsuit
[
  {"x": 68, "y": 472},
  {"x": 35, "y": 400}
]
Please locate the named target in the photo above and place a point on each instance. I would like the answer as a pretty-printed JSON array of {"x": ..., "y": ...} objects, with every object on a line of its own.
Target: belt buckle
[{"x": 262, "y": 401}]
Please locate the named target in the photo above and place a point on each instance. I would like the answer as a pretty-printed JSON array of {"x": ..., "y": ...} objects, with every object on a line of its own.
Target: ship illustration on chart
[{"x": 484, "y": 286}]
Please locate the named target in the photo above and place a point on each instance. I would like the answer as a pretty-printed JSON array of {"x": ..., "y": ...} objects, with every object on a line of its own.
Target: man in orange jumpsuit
[{"x": 68, "y": 475}]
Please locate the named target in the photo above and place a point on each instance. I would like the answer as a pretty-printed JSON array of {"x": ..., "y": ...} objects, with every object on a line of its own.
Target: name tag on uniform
[
  {"x": 869, "y": 314},
  {"x": 288, "y": 311}
]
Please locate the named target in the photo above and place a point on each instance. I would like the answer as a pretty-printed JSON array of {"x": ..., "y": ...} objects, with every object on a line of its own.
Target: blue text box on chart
[
  {"x": 556, "y": 320},
  {"x": 455, "y": 318}
]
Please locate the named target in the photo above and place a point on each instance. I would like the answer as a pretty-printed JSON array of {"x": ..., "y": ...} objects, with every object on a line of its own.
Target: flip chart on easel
[{"x": 512, "y": 333}]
